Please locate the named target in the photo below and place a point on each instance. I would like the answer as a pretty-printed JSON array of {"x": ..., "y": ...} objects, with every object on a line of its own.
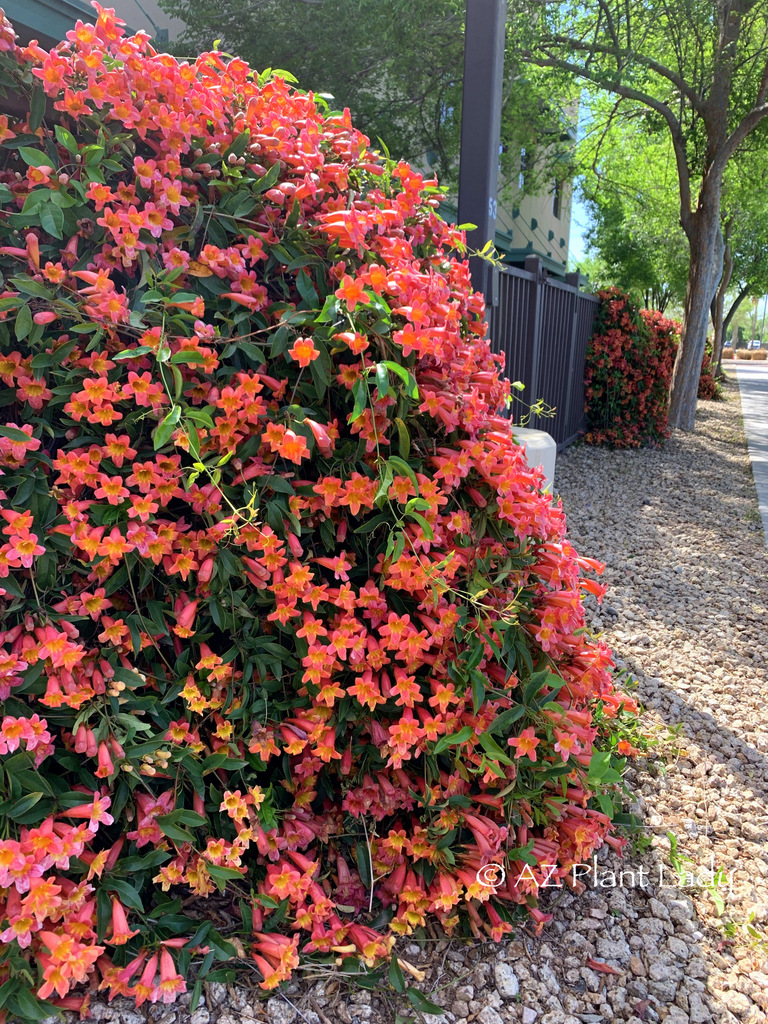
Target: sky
[{"x": 577, "y": 242}]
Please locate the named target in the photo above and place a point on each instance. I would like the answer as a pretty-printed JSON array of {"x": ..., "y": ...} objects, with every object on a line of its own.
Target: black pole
[{"x": 481, "y": 130}]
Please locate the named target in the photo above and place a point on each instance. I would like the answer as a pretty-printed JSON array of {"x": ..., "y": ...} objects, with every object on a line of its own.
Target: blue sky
[{"x": 577, "y": 244}]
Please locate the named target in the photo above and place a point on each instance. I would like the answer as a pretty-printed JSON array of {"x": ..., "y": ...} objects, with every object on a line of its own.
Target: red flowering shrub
[
  {"x": 285, "y": 613},
  {"x": 709, "y": 388},
  {"x": 629, "y": 366},
  {"x": 666, "y": 332}
]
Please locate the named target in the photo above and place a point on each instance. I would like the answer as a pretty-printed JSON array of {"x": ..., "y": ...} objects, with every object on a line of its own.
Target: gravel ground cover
[{"x": 687, "y": 614}]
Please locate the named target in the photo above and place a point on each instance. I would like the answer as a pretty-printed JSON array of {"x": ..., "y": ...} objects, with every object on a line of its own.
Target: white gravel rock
[{"x": 507, "y": 984}]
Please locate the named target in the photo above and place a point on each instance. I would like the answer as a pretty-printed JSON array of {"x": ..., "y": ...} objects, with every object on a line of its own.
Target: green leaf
[
  {"x": 306, "y": 288},
  {"x": 34, "y": 157},
  {"x": 37, "y": 108},
  {"x": 453, "y": 740},
  {"x": 382, "y": 380},
  {"x": 420, "y": 1002},
  {"x": 478, "y": 691},
  {"x": 360, "y": 394},
  {"x": 66, "y": 139},
  {"x": 408, "y": 379},
  {"x": 329, "y": 310},
  {"x": 14, "y": 434},
  {"x": 396, "y": 978},
  {"x": 403, "y": 437},
  {"x": 92, "y": 155},
  {"x": 174, "y": 833},
  {"x": 7, "y": 989},
  {"x": 188, "y": 356},
  {"x": 373, "y": 523},
  {"x": 268, "y": 180},
  {"x": 164, "y": 430},
  {"x": 23, "y": 805},
  {"x": 28, "y": 1007},
  {"x": 127, "y": 893},
  {"x": 191, "y": 818},
  {"x": 31, "y": 287},
  {"x": 222, "y": 874},
  {"x": 534, "y": 684},
  {"x": 426, "y": 529},
  {"x": 23, "y": 323},
  {"x": 132, "y": 353},
  {"x": 363, "y": 864},
  {"x": 402, "y": 467},
  {"x": 384, "y": 484},
  {"x": 492, "y": 748},
  {"x": 197, "y": 992},
  {"x": 52, "y": 219},
  {"x": 503, "y": 721}
]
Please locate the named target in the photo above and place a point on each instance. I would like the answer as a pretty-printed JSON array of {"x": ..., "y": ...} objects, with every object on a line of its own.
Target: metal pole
[{"x": 481, "y": 130}]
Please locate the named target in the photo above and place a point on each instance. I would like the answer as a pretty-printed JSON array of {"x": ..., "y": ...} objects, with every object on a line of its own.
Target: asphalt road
[{"x": 753, "y": 385}]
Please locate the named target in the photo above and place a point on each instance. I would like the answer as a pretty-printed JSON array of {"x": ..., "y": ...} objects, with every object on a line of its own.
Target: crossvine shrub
[
  {"x": 709, "y": 388},
  {"x": 288, "y": 623},
  {"x": 629, "y": 366},
  {"x": 630, "y": 360}
]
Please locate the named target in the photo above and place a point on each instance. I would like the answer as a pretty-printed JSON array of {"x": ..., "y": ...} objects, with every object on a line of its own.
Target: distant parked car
[
  {"x": 727, "y": 344},
  {"x": 755, "y": 343}
]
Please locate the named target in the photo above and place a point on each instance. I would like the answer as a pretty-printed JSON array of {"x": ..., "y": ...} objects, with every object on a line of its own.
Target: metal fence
[{"x": 543, "y": 326}]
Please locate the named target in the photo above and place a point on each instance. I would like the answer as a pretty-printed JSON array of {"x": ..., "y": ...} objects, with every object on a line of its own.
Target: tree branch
[
  {"x": 735, "y": 305},
  {"x": 737, "y": 136},
  {"x": 653, "y": 65},
  {"x": 627, "y": 92}
]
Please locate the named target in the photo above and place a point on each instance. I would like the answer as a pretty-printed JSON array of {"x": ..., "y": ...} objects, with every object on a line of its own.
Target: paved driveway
[{"x": 753, "y": 385}]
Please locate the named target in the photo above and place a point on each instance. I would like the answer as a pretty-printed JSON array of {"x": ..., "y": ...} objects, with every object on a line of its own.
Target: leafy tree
[
  {"x": 628, "y": 182},
  {"x": 745, "y": 232},
  {"x": 700, "y": 69}
]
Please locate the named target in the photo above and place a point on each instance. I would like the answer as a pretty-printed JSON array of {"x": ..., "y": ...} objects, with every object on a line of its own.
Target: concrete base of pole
[{"x": 540, "y": 450}]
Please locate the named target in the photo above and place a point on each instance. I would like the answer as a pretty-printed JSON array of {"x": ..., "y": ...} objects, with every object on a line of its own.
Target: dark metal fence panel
[
  {"x": 509, "y": 320},
  {"x": 543, "y": 327}
]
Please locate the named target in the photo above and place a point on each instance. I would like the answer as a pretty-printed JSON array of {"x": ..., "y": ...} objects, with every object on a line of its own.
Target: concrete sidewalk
[{"x": 753, "y": 385}]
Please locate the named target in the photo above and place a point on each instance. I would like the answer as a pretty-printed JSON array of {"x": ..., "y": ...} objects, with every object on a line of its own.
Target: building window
[{"x": 557, "y": 196}]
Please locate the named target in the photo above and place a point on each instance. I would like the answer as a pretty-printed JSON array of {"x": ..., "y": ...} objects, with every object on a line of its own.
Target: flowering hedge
[
  {"x": 629, "y": 366},
  {"x": 630, "y": 360},
  {"x": 709, "y": 387},
  {"x": 288, "y": 622},
  {"x": 666, "y": 332}
]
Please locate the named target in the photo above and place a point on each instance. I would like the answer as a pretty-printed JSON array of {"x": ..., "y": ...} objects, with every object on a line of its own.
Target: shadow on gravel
[{"x": 687, "y": 612}]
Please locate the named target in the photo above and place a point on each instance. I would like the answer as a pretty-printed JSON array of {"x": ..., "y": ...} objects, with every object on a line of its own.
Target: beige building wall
[
  {"x": 147, "y": 15},
  {"x": 537, "y": 225}
]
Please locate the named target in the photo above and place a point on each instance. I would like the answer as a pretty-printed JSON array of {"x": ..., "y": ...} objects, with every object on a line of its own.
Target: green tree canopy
[
  {"x": 630, "y": 185},
  {"x": 697, "y": 69}
]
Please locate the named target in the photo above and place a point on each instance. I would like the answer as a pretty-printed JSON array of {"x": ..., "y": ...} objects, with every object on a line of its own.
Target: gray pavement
[{"x": 753, "y": 385}]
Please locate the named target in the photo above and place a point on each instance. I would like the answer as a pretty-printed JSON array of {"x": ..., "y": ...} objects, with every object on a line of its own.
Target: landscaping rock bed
[{"x": 687, "y": 614}]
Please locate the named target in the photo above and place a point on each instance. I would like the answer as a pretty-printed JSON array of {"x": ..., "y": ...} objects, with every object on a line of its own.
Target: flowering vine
[{"x": 287, "y": 618}]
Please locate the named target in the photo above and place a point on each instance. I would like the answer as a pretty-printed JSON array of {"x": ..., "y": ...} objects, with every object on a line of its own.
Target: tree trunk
[
  {"x": 705, "y": 240},
  {"x": 726, "y": 322},
  {"x": 718, "y": 305}
]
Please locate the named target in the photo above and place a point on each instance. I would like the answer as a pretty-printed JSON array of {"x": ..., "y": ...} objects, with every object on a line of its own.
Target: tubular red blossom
[{"x": 121, "y": 933}]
